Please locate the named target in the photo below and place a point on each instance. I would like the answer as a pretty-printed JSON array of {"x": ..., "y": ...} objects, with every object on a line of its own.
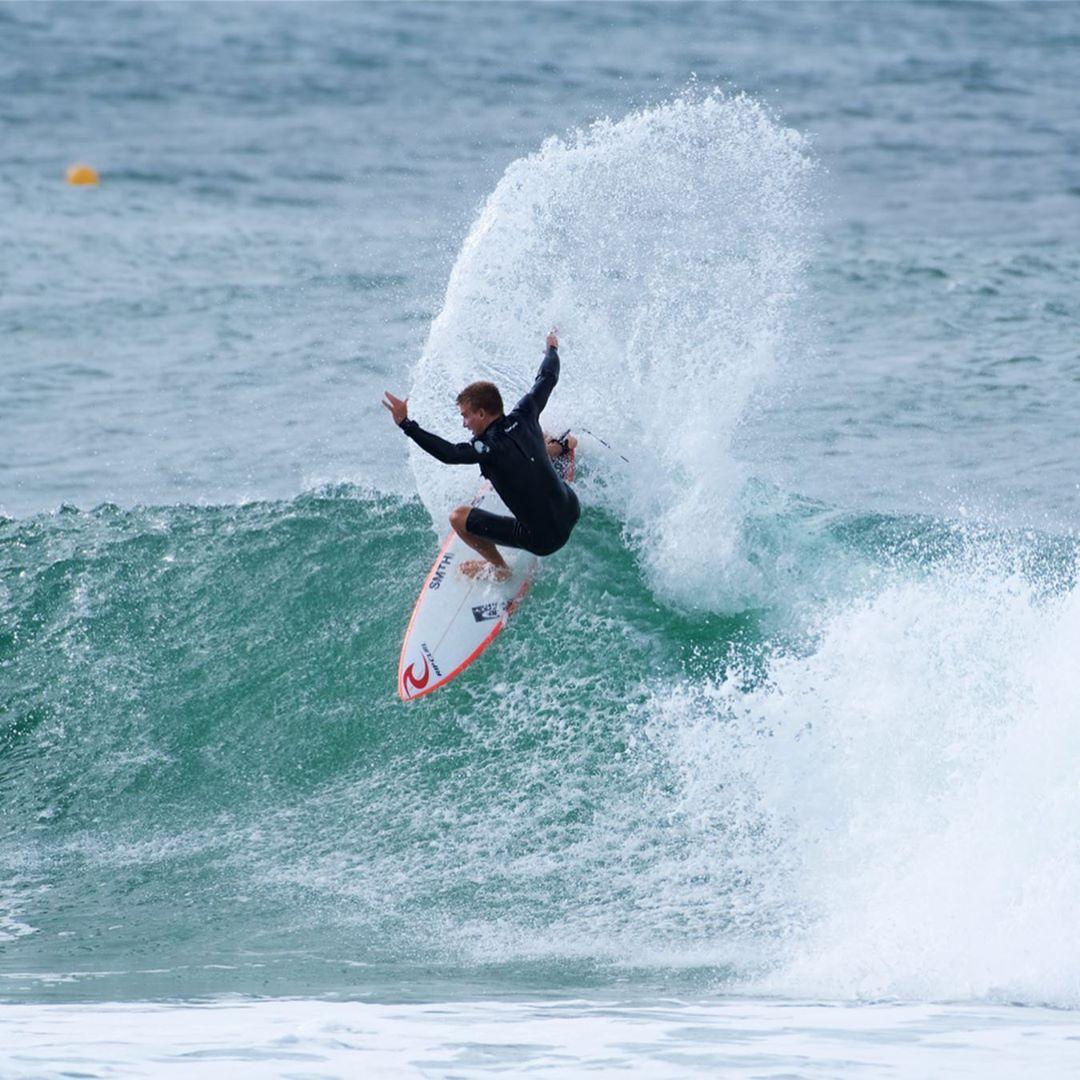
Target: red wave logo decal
[{"x": 411, "y": 682}]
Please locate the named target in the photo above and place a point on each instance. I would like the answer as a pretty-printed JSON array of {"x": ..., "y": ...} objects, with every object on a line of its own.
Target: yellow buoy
[{"x": 82, "y": 174}]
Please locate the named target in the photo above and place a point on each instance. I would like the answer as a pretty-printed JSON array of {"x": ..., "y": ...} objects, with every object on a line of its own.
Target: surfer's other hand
[
  {"x": 552, "y": 338},
  {"x": 399, "y": 407}
]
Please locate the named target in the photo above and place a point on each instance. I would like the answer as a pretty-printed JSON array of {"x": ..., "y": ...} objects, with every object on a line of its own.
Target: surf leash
[{"x": 602, "y": 442}]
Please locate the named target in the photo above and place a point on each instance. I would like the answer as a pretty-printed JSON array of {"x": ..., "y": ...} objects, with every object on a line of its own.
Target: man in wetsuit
[{"x": 513, "y": 453}]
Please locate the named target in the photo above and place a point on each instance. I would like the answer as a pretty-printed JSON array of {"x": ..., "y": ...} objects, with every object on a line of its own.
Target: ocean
[{"x": 774, "y": 773}]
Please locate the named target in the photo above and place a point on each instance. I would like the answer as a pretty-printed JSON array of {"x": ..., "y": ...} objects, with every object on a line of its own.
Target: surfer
[{"x": 514, "y": 453}]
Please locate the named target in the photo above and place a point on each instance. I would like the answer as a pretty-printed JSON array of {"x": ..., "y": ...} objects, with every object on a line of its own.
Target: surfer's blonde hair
[{"x": 482, "y": 395}]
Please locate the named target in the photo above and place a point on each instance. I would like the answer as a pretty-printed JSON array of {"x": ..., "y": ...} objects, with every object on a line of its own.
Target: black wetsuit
[{"x": 512, "y": 454}]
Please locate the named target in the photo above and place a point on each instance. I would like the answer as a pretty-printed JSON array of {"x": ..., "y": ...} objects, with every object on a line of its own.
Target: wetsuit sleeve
[
  {"x": 448, "y": 453},
  {"x": 533, "y": 402}
]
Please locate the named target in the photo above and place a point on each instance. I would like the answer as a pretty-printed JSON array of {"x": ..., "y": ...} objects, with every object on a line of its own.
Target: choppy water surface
[{"x": 793, "y": 716}]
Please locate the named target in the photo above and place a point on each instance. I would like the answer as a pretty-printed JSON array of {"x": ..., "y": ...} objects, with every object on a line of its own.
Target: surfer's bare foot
[{"x": 481, "y": 568}]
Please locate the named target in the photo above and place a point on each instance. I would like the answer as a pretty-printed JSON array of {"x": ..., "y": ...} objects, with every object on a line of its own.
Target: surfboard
[{"x": 456, "y": 617}]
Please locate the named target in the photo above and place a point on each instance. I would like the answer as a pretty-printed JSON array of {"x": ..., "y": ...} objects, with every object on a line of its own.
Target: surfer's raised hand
[
  {"x": 552, "y": 339},
  {"x": 399, "y": 407}
]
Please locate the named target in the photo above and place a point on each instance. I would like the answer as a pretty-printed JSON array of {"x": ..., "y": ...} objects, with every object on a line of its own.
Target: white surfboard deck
[{"x": 457, "y": 617}]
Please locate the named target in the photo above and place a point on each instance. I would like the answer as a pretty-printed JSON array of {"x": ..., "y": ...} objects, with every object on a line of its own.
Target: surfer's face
[{"x": 476, "y": 420}]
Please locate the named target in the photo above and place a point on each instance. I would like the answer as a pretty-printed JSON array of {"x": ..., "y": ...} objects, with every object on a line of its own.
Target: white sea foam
[
  {"x": 908, "y": 789},
  {"x": 667, "y": 246},
  {"x": 733, "y": 1038}
]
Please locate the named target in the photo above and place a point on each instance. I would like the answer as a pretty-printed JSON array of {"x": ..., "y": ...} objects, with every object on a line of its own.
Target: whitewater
[{"x": 774, "y": 772}]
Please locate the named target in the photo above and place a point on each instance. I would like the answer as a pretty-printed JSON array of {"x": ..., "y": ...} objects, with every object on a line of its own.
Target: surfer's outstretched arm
[
  {"x": 447, "y": 452},
  {"x": 534, "y": 401}
]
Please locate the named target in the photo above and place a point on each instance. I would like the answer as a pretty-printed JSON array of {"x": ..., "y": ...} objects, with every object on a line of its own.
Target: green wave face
[
  {"x": 205, "y": 761},
  {"x": 210, "y": 785}
]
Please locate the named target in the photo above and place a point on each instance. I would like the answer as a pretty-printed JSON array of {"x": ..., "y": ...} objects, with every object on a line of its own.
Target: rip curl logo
[{"x": 411, "y": 682}]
